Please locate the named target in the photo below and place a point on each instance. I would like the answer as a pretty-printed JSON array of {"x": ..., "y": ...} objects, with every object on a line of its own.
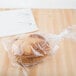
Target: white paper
[{"x": 18, "y": 21}]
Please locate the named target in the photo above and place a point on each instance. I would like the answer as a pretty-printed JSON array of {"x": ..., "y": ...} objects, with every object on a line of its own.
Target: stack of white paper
[{"x": 16, "y": 22}]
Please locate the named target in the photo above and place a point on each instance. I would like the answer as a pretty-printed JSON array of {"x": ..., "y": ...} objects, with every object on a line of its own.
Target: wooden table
[{"x": 63, "y": 63}]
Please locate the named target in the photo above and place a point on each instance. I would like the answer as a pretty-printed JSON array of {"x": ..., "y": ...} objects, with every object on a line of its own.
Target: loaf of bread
[{"x": 30, "y": 50}]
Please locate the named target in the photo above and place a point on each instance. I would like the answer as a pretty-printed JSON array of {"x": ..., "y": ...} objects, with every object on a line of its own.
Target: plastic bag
[{"x": 28, "y": 50}]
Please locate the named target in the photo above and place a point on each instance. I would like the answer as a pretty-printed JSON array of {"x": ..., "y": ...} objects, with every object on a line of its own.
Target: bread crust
[{"x": 30, "y": 50}]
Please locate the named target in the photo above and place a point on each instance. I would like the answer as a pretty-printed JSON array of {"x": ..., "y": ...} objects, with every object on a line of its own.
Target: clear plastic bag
[{"x": 28, "y": 50}]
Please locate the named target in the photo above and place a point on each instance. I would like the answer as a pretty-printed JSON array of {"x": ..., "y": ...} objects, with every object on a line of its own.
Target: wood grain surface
[{"x": 63, "y": 63}]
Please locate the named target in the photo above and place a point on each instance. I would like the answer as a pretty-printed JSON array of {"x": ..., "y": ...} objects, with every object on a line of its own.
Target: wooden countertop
[{"x": 63, "y": 63}]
